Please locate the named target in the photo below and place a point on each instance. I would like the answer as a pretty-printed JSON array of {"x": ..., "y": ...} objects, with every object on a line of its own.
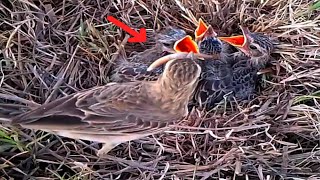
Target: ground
[{"x": 50, "y": 48}]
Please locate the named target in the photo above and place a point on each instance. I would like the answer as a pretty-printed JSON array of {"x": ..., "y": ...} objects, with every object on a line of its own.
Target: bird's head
[
  {"x": 169, "y": 35},
  {"x": 207, "y": 40},
  {"x": 181, "y": 72},
  {"x": 203, "y": 31},
  {"x": 255, "y": 45},
  {"x": 184, "y": 49}
]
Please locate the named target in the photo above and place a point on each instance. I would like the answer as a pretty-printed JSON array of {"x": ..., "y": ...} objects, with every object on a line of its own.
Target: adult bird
[
  {"x": 135, "y": 67},
  {"x": 119, "y": 112}
]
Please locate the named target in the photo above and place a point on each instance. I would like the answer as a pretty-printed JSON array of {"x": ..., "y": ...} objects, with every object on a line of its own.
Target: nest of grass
[{"x": 51, "y": 48}]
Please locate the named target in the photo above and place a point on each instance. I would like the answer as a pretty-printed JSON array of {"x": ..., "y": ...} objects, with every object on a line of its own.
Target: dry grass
[{"x": 51, "y": 48}]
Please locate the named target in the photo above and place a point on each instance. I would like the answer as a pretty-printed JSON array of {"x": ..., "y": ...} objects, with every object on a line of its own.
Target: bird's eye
[{"x": 252, "y": 47}]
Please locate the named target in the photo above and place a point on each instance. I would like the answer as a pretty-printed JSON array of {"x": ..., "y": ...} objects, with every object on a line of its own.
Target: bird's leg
[
  {"x": 237, "y": 103},
  {"x": 110, "y": 143},
  {"x": 106, "y": 148},
  {"x": 231, "y": 103}
]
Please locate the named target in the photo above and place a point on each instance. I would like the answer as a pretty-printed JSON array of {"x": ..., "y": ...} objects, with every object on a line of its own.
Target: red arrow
[{"x": 137, "y": 36}]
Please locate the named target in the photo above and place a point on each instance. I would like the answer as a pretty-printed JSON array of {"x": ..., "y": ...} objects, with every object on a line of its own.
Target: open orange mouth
[
  {"x": 201, "y": 29},
  {"x": 186, "y": 44},
  {"x": 237, "y": 41}
]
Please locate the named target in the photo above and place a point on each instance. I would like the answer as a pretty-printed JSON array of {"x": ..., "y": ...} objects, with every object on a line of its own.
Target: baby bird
[
  {"x": 135, "y": 68},
  {"x": 119, "y": 112},
  {"x": 233, "y": 75},
  {"x": 216, "y": 69},
  {"x": 208, "y": 41},
  {"x": 226, "y": 75}
]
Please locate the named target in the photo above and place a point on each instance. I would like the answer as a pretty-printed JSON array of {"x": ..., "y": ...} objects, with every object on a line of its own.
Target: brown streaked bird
[
  {"x": 217, "y": 70},
  {"x": 135, "y": 68},
  {"x": 233, "y": 76},
  {"x": 256, "y": 46},
  {"x": 230, "y": 75},
  {"x": 119, "y": 112}
]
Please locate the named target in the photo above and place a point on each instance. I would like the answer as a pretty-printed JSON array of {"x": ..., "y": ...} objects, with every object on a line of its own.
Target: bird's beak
[
  {"x": 203, "y": 31},
  {"x": 241, "y": 42},
  {"x": 180, "y": 55},
  {"x": 236, "y": 41},
  {"x": 165, "y": 59},
  {"x": 184, "y": 48},
  {"x": 247, "y": 39},
  {"x": 186, "y": 44},
  {"x": 200, "y": 30},
  {"x": 209, "y": 33}
]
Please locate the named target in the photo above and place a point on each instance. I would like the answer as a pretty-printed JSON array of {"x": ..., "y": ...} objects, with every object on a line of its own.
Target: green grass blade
[{"x": 315, "y": 6}]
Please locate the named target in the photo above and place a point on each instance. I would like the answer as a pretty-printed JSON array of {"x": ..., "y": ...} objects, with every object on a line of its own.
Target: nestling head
[
  {"x": 207, "y": 39},
  {"x": 169, "y": 35},
  {"x": 257, "y": 46}
]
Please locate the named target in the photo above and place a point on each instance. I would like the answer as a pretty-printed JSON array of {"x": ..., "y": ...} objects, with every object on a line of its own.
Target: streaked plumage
[
  {"x": 135, "y": 68},
  {"x": 233, "y": 75},
  {"x": 217, "y": 69},
  {"x": 119, "y": 112},
  {"x": 225, "y": 75},
  {"x": 209, "y": 47}
]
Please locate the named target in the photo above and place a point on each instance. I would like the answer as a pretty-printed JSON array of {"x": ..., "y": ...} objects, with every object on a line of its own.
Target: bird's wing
[
  {"x": 111, "y": 109},
  {"x": 135, "y": 72},
  {"x": 216, "y": 81},
  {"x": 135, "y": 67},
  {"x": 244, "y": 80}
]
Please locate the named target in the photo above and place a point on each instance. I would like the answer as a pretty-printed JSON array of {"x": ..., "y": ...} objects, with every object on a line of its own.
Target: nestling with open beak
[
  {"x": 234, "y": 75},
  {"x": 119, "y": 112},
  {"x": 135, "y": 68},
  {"x": 205, "y": 46},
  {"x": 230, "y": 75},
  {"x": 256, "y": 46},
  {"x": 217, "y": 72},
  {"x": 208, "y": 41}
]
